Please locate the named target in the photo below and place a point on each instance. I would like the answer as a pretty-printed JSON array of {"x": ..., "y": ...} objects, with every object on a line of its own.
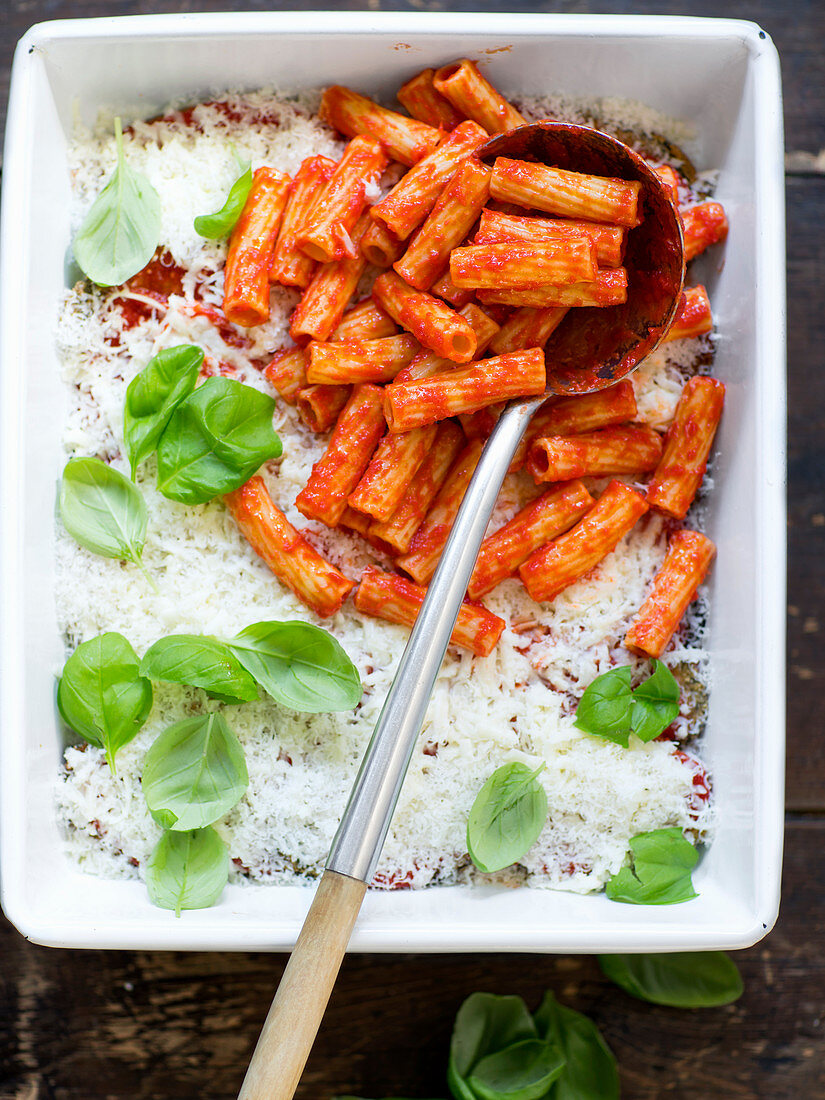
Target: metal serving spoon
[{"x": 591, "y": 349}]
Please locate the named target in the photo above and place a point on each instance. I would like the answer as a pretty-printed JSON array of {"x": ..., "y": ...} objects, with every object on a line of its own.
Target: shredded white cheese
[{"x": 516, "y": 704}]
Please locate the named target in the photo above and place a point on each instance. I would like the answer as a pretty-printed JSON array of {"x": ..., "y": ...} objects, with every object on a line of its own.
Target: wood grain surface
[{"x": 156, "y": 1026}]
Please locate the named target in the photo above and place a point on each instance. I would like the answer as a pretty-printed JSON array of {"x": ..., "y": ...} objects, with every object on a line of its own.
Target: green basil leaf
[
  {"x": 655, "y": 703},
  {"x": 202, "y": 662},
  {"x": 605, "y": 707},
  {"x": 590, "y": 1071},
  {"x": 662, "y": 862},
  {"x": 102, "y": 695},
  {"x": 122, "y": 230},
  {"x": 523, "y": 1071},
  {"x": 215, "y": 440},
  {"x": 153, "y": 395},
  {"x": 610, "y": 709},
  {"x": 506, "y": 817},
  {"x": 223, "y": 221},
  {"x": 484, "y": 1025},
  {"x": 102, "y": 510},
  {"x": 684, "y": 979},
  {"x": 300, "y": 665},
  {"x": 194, "y": 773},
  {"x": 187, "y": 870}
]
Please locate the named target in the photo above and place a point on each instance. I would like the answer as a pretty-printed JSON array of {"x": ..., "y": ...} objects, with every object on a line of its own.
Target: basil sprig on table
[
  {"x": 300, "y": 665},
  {"x": 506, "y": 817},
  {"x": 122, "y": 229},
  {"x": 102, "y": 510},
  {"x": 203, "y": 662},
  {"x": 154, "y": 394},
  {"x": 187, "y": 870},
  {"x": 590, "y": 1068},
  {"x": 662, "y": 861},
  {"x": 487, "y": 1030},
  {"x": 492, "y": 1034},
  {"x": 500, "y": 1052},
  {"x": 609, "y": 707},
  {"x": 215, "y": 440},
  {"x": 102, "y": 695},
  {"x": 222, "y": 222},
  {"x": 683, "y": 979},
  {"x": 194, "y": 773}
]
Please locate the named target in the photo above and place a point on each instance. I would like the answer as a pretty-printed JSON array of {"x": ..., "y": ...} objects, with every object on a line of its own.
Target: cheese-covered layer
[{"x": 516, "y": 704}]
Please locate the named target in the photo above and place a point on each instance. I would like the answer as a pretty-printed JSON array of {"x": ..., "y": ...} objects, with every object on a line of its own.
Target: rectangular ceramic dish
[{"x": 723, "y": 76}]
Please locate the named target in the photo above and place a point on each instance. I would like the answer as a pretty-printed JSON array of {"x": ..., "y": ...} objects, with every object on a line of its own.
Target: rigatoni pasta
[
  {"x": 357, "y": 431},
  {"x": 688, "y": 558},
  {"x": 252, "y": 247},
  {"x": 316, "y": 582}
]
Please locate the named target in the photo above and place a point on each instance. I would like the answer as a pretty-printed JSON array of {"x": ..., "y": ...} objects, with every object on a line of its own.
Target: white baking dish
[{"x": 723, "y": 76}]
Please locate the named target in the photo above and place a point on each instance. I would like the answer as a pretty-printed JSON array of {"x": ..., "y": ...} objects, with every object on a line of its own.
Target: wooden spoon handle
[{"x": 295, "y": 1016}]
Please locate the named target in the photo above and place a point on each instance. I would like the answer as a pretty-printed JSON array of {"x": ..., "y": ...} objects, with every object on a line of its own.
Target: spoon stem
[{"x": 357, "y": 845}]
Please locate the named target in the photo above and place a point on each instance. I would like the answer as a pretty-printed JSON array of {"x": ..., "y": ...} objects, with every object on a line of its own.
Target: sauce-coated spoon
[{"x": 591, "y": 349}]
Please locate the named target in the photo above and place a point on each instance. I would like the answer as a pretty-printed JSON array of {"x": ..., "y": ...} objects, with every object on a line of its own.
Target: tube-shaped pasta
[
  {"x": 472, "y": 94},
  {"x": 433, "y": 323},
  {"x": 542, "y": 519},
  {"x": 686, "y": 564},
  {"x": 573, "y": 415},
  {"x": 635, "y": 449},
  {"x": 423, "y": 102},
  {"x": 608, "y": 289},
  {"x": 345, "y": 362},
  {"x": 320, "y": 406},
  {"x": 290, "y": 266},
  {"x": 405, "y": 139},
  {"x": 315, "y": 581},
  {"x": 397, "y": 600},
  {"x": 427, "y": 363},
  {"x": 428, "y": 541},
  {"x": 415, "y": 403},
  {"x": 524, "y": 266},
  {"x": 551, "y": 569},
  {"x": 396, "y": 459},
  {"x": 569, "y": 194},
  {"x": 670, "y": 178},
  {"x": 415, "y": 194},
  {"x": 687, "y": 446},
  {"x": 326, "y": 233},
  {"x": 527, "y": 328},
  {"x": 338, "y": 471},
  {"x": 445, "y": 288},
  {"x": 251, "y": 248},
  {"x": 694, "y": 317},
  {"x": 366, "y": 321},
  {"x": 608, "y": 240},
  {"x": 704, "y": 224},
  {"x": 449, "y": 222},
  {"x": 381, "y": 247},
  {"x": 422, "y": 489},
  {"x": 288, "y": 373},
  {"x": 322, "y": 305}
]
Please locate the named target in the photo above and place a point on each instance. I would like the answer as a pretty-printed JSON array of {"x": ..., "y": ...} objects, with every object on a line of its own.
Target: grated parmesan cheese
[{"x": 516, "y": 704}]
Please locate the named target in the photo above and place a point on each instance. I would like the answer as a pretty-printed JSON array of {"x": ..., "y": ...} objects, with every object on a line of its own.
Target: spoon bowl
[{"x": 595, "y": 347}]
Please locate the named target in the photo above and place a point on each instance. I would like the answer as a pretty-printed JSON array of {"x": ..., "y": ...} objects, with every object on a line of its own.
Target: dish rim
[{"x": 770, "y": 571}]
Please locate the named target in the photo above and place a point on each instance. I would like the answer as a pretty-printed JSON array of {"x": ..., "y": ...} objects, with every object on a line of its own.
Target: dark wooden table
[{"x": 152, "y": 1026}]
